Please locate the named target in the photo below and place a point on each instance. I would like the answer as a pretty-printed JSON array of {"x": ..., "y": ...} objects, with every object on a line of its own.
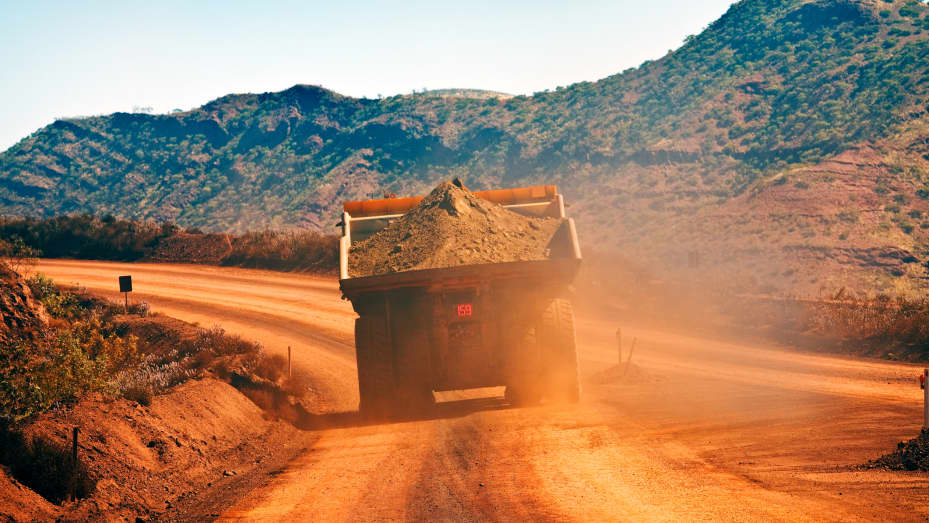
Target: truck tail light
[{"x": 464, "y": 310}]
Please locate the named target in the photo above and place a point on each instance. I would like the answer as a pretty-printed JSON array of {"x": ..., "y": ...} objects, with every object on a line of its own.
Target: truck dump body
[{"x": 463, "y": 326}]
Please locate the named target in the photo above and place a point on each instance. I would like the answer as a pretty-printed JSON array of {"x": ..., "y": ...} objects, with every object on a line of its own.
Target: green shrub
[
  {"x": 18, "y": 256},
  {"x": 58, "y": 304},
  {"x": 911, "y": 10},
  {"x": 42, "y": 286},
  {"x": 86, "y": 236},
  {"x": 21, "y": 392},
  {"x": 849, "y": 216},
  {"x": 61, "y": 366}
]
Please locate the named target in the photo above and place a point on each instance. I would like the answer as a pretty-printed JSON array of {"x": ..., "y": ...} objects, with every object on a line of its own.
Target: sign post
[{"x": 125, "y": 286}]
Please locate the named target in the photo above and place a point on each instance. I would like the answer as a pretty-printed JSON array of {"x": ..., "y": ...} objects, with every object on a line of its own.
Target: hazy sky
[{"x": 80, "y": 58}]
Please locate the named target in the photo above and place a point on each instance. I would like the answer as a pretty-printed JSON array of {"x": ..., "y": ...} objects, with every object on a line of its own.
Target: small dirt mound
[
  {"x": 449, "y": 228},
  {"x": 617, "y": 374},
  {"x": 910, "y": 455}
]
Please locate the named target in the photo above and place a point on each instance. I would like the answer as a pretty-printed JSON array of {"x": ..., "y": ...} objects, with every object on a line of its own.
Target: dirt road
[{"x": 698, "y": 429}]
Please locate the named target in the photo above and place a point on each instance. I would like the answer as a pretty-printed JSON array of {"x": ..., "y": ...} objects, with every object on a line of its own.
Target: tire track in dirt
[{"x": 471, "y": 475}]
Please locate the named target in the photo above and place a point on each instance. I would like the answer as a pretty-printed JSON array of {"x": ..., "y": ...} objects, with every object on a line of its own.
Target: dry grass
[
  {"x": 285, "y": 251},
  {"x": 881, "y": 326},
  {"x": 881, "y": 319}
]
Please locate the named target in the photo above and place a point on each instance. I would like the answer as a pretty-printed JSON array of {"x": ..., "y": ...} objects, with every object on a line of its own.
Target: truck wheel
[
  {"x": 523, "y": 389},
  {"x": 374, "y": 356},
  {"x": 559, "y": 350},
  {"x": 414, "y": 400},
  {"x": 412, "y": 360},
  {"x": 521, "y": 395}
]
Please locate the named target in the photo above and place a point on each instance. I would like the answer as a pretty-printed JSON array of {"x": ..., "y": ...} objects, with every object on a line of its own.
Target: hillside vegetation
[
  {"x": 85, "y": 236},
  {"x": 787, "y": 144}
]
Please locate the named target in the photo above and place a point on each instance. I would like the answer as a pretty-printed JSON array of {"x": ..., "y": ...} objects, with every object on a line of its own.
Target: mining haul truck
[{"x": 497, "y": 324}]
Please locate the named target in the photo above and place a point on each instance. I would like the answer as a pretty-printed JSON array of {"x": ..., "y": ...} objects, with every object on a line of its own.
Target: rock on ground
[{"x": 909, "y": 455}]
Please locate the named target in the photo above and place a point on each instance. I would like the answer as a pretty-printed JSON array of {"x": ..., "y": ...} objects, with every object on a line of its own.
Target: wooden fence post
[
  {"x": 926, "y": 398},
  {"x": 629, "y": 360},
  {"x": 73, "y": 482},
  {"x": 619, "y": 345}
]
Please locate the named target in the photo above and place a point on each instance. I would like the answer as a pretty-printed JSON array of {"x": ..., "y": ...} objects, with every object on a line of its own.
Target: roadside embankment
[
  {"x": 168, "y": 415},
  {"x": 160, "y": 461}
]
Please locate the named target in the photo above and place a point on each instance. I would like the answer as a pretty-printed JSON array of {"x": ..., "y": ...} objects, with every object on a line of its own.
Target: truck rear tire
[
  {"x": 559, "y": 351},
  {"x": 524, "y": 388},
  {"x": 413, "y": 366},
  {"x": 521, "y": 395},
  {"x": 374, "y": 354}
]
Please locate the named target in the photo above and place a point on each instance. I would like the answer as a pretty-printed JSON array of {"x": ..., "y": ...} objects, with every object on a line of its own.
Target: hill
[{"x": 786, "y": 145}]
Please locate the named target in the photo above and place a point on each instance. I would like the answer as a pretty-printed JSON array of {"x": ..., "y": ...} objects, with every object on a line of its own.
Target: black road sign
[{"x": 125, "y": 284}]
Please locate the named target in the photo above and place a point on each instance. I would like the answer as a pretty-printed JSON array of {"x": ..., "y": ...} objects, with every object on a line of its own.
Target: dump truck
[{"x": 472, "y": 326}]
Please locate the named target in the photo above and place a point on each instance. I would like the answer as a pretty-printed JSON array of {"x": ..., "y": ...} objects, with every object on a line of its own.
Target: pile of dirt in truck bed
[
  {"x": 449, "y": 228},
  {"x": 910, "y": 455}
]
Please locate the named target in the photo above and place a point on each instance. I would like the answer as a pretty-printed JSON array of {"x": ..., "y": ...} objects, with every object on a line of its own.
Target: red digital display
[{"x": 464, "y": 310}]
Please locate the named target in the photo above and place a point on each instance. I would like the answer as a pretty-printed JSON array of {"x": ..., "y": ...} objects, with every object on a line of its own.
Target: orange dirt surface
[{"x": 700, "y": 429}]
